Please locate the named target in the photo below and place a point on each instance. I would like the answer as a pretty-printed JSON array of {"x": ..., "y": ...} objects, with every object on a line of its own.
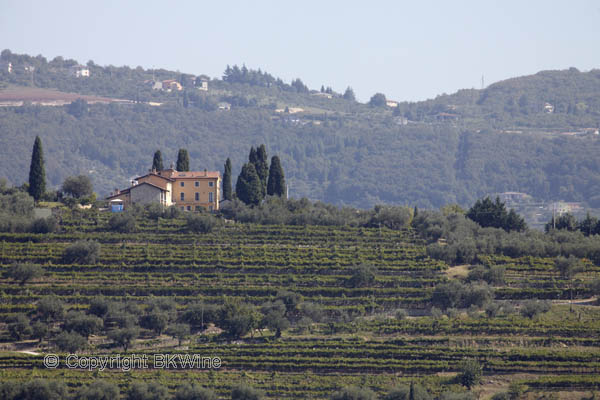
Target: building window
[
  {"x": 189, "y": 208},
  {"x": 182, "y": 183},
  {"x": 197, "y": 196},
  {"x": 211, "y": 184},
  {"x": 197, "y": 183},
  {"x": 210, "y": 197},
  {"x": 210, "y": 208},
  {"x": 182, "y": 196},
  {"x": 182, "y": 208},
  {"x": 198, "y": 208}
]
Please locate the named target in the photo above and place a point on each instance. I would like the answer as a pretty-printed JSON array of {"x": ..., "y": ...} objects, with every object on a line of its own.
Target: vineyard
[{"x": 377, "y": 334}]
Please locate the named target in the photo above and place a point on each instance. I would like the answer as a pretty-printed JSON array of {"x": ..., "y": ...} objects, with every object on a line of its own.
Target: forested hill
[{"x": 454, "y": 148}]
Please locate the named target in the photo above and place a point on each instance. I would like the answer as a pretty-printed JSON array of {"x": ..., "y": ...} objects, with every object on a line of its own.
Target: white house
[
  {"x": 79, "y": 71},
  {"x": 6, "y": 66},
  {"x": 202, "y": 84}
]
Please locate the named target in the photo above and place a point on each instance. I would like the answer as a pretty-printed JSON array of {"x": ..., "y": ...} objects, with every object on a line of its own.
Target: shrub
[
  {"x": 147, "y": 391},
  {"x": 24, "y": 272},
  {"x": 245, "y": 392},
  {"x": 194, "y": 392},
  {"x": 362, "y": 275},
  {"x": 199, "y": 314},
  {"x": 82, "y": 252},
  {"x": 493, "y": 275},
  {"x": 83, "y": 324},
  {"x": 436, "y": 313},
  {"x": 44, "y": 225},
  {"x": 70, "y": 341},
  {"x": 42, "y": 389},
  {"x": 470, "y": 373},
  {"x": 99, "y": 390},
  {"x": 401, "y": 314},
  {"x": 237, "y": 318},
  {"x": 20, "y": 329},
  {"x": 447, "y": 295},
  {"x": 50, "y": 308},
  {"x": 312, "y": 310},
  {"x": 179, "y": 331},
  {"x": 156, "y": 321},
  {"x": 201, "y": 223},
  {"x": 354, "y": 393},
  {"x": 122, "y": 222},
  {"x": 532, "y": 308},
  {"x": 124, "y": 337},
  {"x": 40, "y": 330},
  {"x": 412, "y": 392},
  {"x": 99, "y": 306}
]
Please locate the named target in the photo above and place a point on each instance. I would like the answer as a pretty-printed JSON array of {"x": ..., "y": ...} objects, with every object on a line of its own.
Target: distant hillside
[{"x": 454, "y": 148}]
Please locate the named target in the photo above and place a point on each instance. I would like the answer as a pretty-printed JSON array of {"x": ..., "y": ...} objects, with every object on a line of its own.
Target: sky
[{"x": 408, "y": 50}]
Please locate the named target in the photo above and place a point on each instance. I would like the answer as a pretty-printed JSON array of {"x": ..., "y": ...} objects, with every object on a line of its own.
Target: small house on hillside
[
  {"x": 201, "y": 84},
  {"x": 391, "y": 103},
  {"x": 79, "y": 71},
  {"x": 171, "y": 84},
  {"x": 6, "y": 66}
]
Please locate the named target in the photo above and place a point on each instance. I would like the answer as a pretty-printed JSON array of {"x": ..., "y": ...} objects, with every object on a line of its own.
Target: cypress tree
[
  {"x": 262, "y": 166},
  {"x": 253, "y": 157},
  {"x": 276, "y": 185},
  {"x": 37, "y": 173},
  {"x": 183, "y": 161},
  {"x": 248, "y": 185},
  {"x": 157, "y": 162},
  {"x": 227, "y": 191}
]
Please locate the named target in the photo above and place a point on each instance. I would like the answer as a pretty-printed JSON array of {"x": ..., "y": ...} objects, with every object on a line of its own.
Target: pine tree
[
  {"x": 157, "y": 162},
  {"x": 37, "y": 173},
  {"x": 248, "y": 185},
  {"x": 276, "y": 185},
  {"x": 262, "y": 167},
  {"x": 227, "y": 191},
  {"x": 183, "y": 161}
]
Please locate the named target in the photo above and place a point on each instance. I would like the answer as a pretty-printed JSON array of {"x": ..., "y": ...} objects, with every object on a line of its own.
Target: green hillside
[
  {"x": 455, "y": 148},
  {"x": 357, "y": 301}
]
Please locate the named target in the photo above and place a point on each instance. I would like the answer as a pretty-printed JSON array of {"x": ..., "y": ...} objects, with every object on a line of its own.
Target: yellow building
[{"x": 190, "y": 190}]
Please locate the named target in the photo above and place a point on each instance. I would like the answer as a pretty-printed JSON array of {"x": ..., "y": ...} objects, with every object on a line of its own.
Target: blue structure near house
[{"x": 116, "y": 205}]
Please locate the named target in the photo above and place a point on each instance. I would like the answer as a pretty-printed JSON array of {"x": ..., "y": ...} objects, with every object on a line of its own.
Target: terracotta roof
[
  {"x": 135, "y": 186},
  {"x": 195, "y": 174},
  {"x": 155, "y": 174},
  {"x": 124, "y": 191}
]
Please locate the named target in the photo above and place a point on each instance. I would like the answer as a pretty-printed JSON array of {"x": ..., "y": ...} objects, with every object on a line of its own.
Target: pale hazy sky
[{"x": 409, "y": 50}]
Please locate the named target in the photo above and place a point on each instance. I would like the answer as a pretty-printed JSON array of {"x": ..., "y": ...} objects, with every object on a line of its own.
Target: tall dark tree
[
  {"x": 183, "y": 160},
  {"x": 276, "y": 184},
  {"x": 253, "y": 156},
  {"x": 262, "y": 166},
  {"x": 248, "y": 187},
  {"x": 157, "y": 162},
  {"x": 488, "y": 213},
  {"x": 349, "y": 94},
  {"x": 227, "y": 190},
  {"x": 37, "y": 173}
]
